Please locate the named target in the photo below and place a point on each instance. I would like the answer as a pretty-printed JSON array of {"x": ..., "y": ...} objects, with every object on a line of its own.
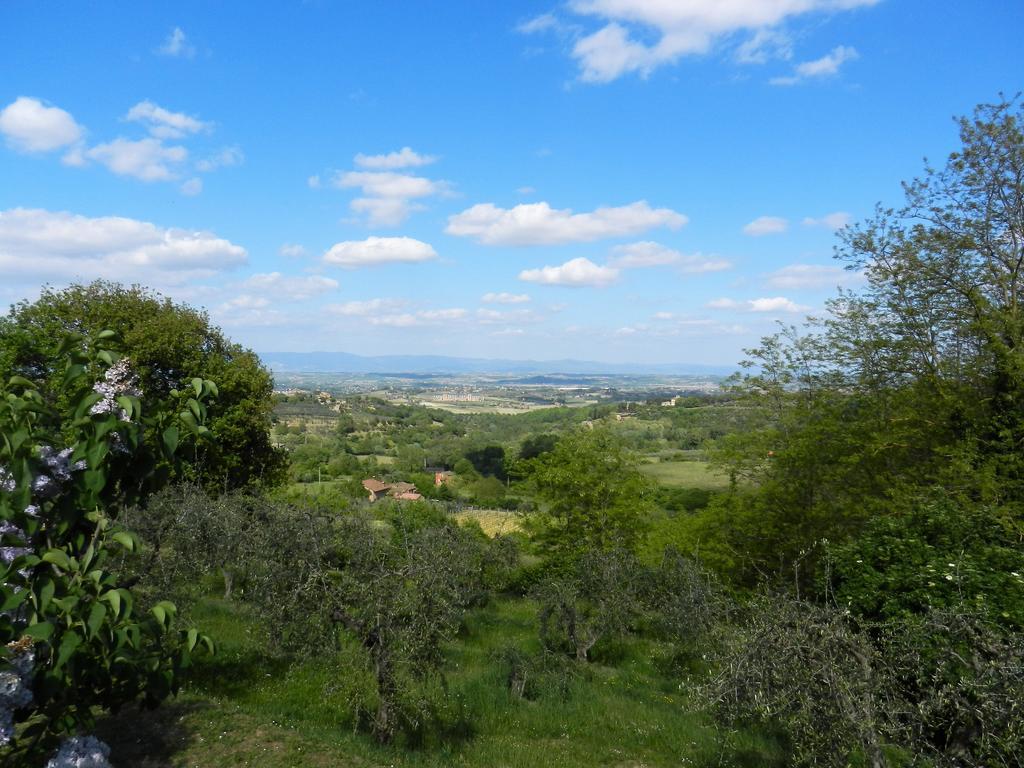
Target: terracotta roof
[
  {"x": 408, "y": 496},
  {"x": 373, "y": 485},
  {"x": 400, "y": 488}
]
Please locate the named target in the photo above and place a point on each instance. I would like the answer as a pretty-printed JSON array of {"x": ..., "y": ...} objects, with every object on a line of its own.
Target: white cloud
[
  {"x": 650, "y": 254},
  {"x": 387, "y": 195},
  {"x": 413, "y": 319},
  {"x": 244, "y": 301},
  {"x": 767, "y": 304},
  {"x": 504, "y": 298},
  {"x": 313, "y": 182},
  {"x": 145, "y": 159},
  {"x": 541, "y": 23},
  {"x": 540, "y": 224},
  {"x": 643, "y": 254},
  {"x": 775, "y": 304},
  {"x": 163, "y": 123},
  {"x": 40, "y": 245},
  {"x": 681, "y": 28},
  {"x": 291, "y": 251},
  {"x": 291, "y": 287},
  {"x": 575, "y": 273},
  {"x": 365, "y": 308},
  {"x": 177, "y": 45},
  {"x": 29, "y": 125},
  {"x": 808, "y": 276},
  {"x": 378, "y": 250},
  {"x": 663, "y": 315},
  {"x": 192, "y": 187},
  {"x": 766, "y": 225},
  {"x": 403, "y": 158},
  {"x": 226, "y": 158},
  {"x": 765, "y": 44},
  {"x": 836, "y": 220},
  {"x": 827, "y": 66}
]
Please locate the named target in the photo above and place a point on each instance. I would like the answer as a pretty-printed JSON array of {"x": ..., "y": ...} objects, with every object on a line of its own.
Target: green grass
[
  {"x": 686, "y": 474},
  {"x": 245, "y": 707}
]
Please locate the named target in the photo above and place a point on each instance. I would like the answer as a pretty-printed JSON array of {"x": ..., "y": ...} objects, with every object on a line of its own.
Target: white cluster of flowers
[
  {"x": 81, "y": 752},
  {"x": 59, "y": 462},
  {"x": 117, "y": 381},
  {"x": 7, "y": 484},
  {"x": 7, "y": 554},
  {"x": 15, "y": 691}
]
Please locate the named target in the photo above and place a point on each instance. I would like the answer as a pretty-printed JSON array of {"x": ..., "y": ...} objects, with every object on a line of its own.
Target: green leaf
[
  {"x": 197, "y": 385},
  {"x": 46, "y": 591},
  {"x": 41, "y": 631},
  {"x": 107, "y": 334},
  {"x": 193, "y": 637},
  {"x": 68, "y": 645},
  {"x": 20, "y": 381},
  {"x": 127, "y": 405},
  {"x": 58, "y": 557},
  {"x": 114, "y": 598},
  {"x": 125, "y": 539},
  {"x": 73, "y": 372},
  {"x": 160, "y": 613},
  {"x": 96, "y": 615},
  {"x": 105, "y": 356},
  {"x": 14, "y": 600},
  {"x": 170, "y": 437}
]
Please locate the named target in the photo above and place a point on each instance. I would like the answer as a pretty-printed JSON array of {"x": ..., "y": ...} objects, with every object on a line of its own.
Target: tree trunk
[{"x": 229, "y": 582}]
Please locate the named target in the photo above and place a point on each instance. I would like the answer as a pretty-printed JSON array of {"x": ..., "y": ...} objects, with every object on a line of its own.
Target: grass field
[
  {"x": 686, "y": 474},
  {"x": 245, "y": 708},
  {"x": 494, "y": 522}
]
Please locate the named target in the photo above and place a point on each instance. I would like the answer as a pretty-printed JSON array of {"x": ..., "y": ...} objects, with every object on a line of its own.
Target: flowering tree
[{"x": 70, "y": 637}]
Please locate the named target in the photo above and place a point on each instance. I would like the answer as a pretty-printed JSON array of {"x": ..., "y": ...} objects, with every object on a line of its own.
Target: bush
[{"x": 71, "y": 638}]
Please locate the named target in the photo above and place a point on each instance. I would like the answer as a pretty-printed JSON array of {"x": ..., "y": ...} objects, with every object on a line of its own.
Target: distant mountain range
[{"x": 343, "y": 362}]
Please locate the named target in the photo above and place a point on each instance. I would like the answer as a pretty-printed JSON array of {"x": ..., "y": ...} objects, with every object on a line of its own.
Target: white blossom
[
  {"x": 117, "y": 381},
  {"x": 59, "y": 462},
  {"x": 81, "y": 752},
  {"x": 32, "y": 510},
  {"x": 7, "y": 483},
  {"x": 15, "y": 691},
  {"x": 45, "y": 487},
  {"x": 7, "y": 554}
]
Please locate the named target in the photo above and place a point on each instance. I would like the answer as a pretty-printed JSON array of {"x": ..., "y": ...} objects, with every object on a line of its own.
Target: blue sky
[{"x": 619, "y": 180}]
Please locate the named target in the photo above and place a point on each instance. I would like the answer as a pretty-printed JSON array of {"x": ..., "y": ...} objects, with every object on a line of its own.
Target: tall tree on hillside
[
  {"x": 169, "y": 344},
  {"x": 916, "y": 380}
]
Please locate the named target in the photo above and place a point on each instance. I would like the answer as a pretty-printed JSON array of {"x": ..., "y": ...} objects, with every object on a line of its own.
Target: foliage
[
  {"x": 596, "y": 499},
  {"x": 943, "y": 688},
  {"x": 916, "y": 381},
  {"x": 937, "y": 554},
  {"x": 598, "y": 599},
  {"x": 69, "y": 631},
  {"x": 170, "y": 345}
]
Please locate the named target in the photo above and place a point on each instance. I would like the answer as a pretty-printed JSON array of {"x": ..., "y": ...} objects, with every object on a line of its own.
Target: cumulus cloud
[
  {"x": 540, "y": 224},
  {"x": 413, "y": 319},
  {"x": 365, "y": 307},
  {"x": 827, "y": 66},
  {"x": 291, "y": 287},
  {"x": 177, "y": 45},
  {"x": 146, "y": 159},
  {"x": 767, "y": 304},
  {"x": 650, "y": 254},
  {"x": 575, "y": 273},
  {"x": 836, "y": 220},
  {"x": 403, "y": 158},
  {"x": 40, "y": 245},
  {"x": 29, "y": 125},
  {"x": 504, "y": 298},
  {"x": 291, "y": 251},
  {"x": 163, "y": 123},
  {"x": 387, "y": 196},
  {"x": 809, "y": 276},
  {"x": 373, "y": 251},
  {"x": 192, "y": 187},
  {"x": 766, "y": 225},
  {"x": 638, "y": 36}
]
